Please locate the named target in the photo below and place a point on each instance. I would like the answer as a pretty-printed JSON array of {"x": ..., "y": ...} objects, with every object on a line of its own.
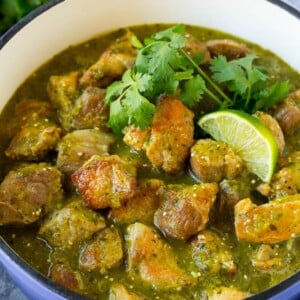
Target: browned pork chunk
[
  {"x": 105, "y": 181},
  {"x": 274, "y": 127},
  {"x": 75, "y": 148},
  {"x": 274, "y": 222},
  {"x": 195, "y": 47},
  {"x": 212, "y": 254},
  {"x": 38, "y": 133},
  {"x": 169, "y": 138},
  {"x": 152, "y": 260},
  {"x": 141, "y": 207},
  {"x": 62, "y": 91},
  {"x": 71, "y": 224},
  {"x": 267, "y": 257},
  {"x": 113, "y": 62},
  {"x": 287, "y": 112},
  {"x": 119, "y": 292},
  {"x": 184, "y": 210},
  {"x": 103, "y": 252},
  {"x": 62, "y": 273},
  {"x": 229, "y": 48},
  {"x": 28, "y": 193},
  {"x": 89, "y": 110},
  {"x": 77, "y": 109},
  {"x": 213, "y": 161}
]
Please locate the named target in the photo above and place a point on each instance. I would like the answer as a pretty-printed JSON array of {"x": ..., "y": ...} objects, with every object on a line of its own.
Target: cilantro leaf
[
  {"x": 269, "y": 96},
  {"x": 192, "y": 91},
  {"x": 127, "y": 104}
]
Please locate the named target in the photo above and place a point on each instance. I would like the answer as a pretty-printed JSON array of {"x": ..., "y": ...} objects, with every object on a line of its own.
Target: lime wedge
[{"x": 247, "y": 136}]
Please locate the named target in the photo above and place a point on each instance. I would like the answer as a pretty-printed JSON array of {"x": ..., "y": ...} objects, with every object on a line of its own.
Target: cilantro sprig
[{"x": 163, "y": 67}]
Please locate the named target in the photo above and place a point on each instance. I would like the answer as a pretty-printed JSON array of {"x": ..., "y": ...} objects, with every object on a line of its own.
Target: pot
[{"x": 61, "y": 23}]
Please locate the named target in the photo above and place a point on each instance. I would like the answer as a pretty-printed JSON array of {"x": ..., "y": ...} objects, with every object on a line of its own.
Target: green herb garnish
[{"x": 163, "y": 67}]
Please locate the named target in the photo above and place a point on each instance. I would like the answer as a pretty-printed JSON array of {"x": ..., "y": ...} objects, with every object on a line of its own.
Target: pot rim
[{"x": 282, "y": 289}]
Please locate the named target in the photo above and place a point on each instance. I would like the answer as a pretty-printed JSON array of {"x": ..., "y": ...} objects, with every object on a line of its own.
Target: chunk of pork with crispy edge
[
  {"x": 105, "y": 181},
  {"x": 76, "y": 147},
  {"x": 113, "y": 62},
  {"x": 28, "y": 193},
  {"x": 71, "y": 224},
  {"x": 212, "y": 161},
  {"x": 273, "y": 222},
  {"x": 152, "y": 260},
  {"x": 184, "y": 210}
]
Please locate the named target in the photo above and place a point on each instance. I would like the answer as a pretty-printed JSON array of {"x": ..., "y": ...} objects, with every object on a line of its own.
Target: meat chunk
[
  {"x": 103, "y": 252},
  {"x": 141, "y": 207},
  {"x": 194, "y": 47},
  {"x": 184, "y": 210},
  {"x": 63, "y": 274},
  {"x": 105, "y": 181},
  {"x": 77, "y": 147},
  {"x": 71, "y": 224},
  {"x": 226, "y": 293},
  {"x": 229, "y": 48},
  {"x": 169, "y": 138},
  {"x": 274, "y": 127},
  {"x": 113, "y": 62},
  {"x": 232, "y": 191},
  {"x": 287, "y": 112},
  {"x": 274, "y": 222},
  {"x": 213, "y": 161},
  {"x": 152, "y": 259},
  {"x": 28, "y": 193},
  {"x": 77, "y": 109},
  {"x": 267, "y": 257},
  {"x": 38, "y": 133},
  {"x": 119, "y": 292},
  {"x": 89, "y": 110},
  {"x": 212, "y": 254}
]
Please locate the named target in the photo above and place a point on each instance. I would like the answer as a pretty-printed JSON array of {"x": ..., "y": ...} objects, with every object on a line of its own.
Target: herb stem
[
  {"x": 213, "y": 97},
  {"x": 206, "y": 77}
]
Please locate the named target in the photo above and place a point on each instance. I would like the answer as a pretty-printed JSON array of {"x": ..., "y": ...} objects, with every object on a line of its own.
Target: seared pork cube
[
  {"x": 141, "y": 207},
  {"x": 105, "y": 181},
  {"x": 285, "y": 182},
  {"x": 152, "y": 260},
  {"x": 287, "y": 112},
  {"x": 34, "y": 140},
  {"x": 63, "y": 274},
  {"x": 170, "y": 135},
  {"x": 113, "y": 62},
  {"x": 28, "y": 193},
  {"x": 75, "y": 148},
  {"x": 62, "y": 91},
  {"x": 267, "y": 257},
  {"x": 103, "y": 252},
  {"x": 273, "y": 222},
  {"x": 184, "y": 210},
  {"x": 119, "y": 292},
  {"x": 229, "y": 48},
  {"x": 226, "y": 293},
  {"x": 212, "y": 254},
  {"x": 136, "y": 137},
  {"x": 71, "y": 224},
  {"x": 274, "y": 127},
  {"x": 213, "y": 161},
  {"x": 232, "y": 191},
  {"x": 194, "y": 47},
  {"x": 89, "y": 110}
]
